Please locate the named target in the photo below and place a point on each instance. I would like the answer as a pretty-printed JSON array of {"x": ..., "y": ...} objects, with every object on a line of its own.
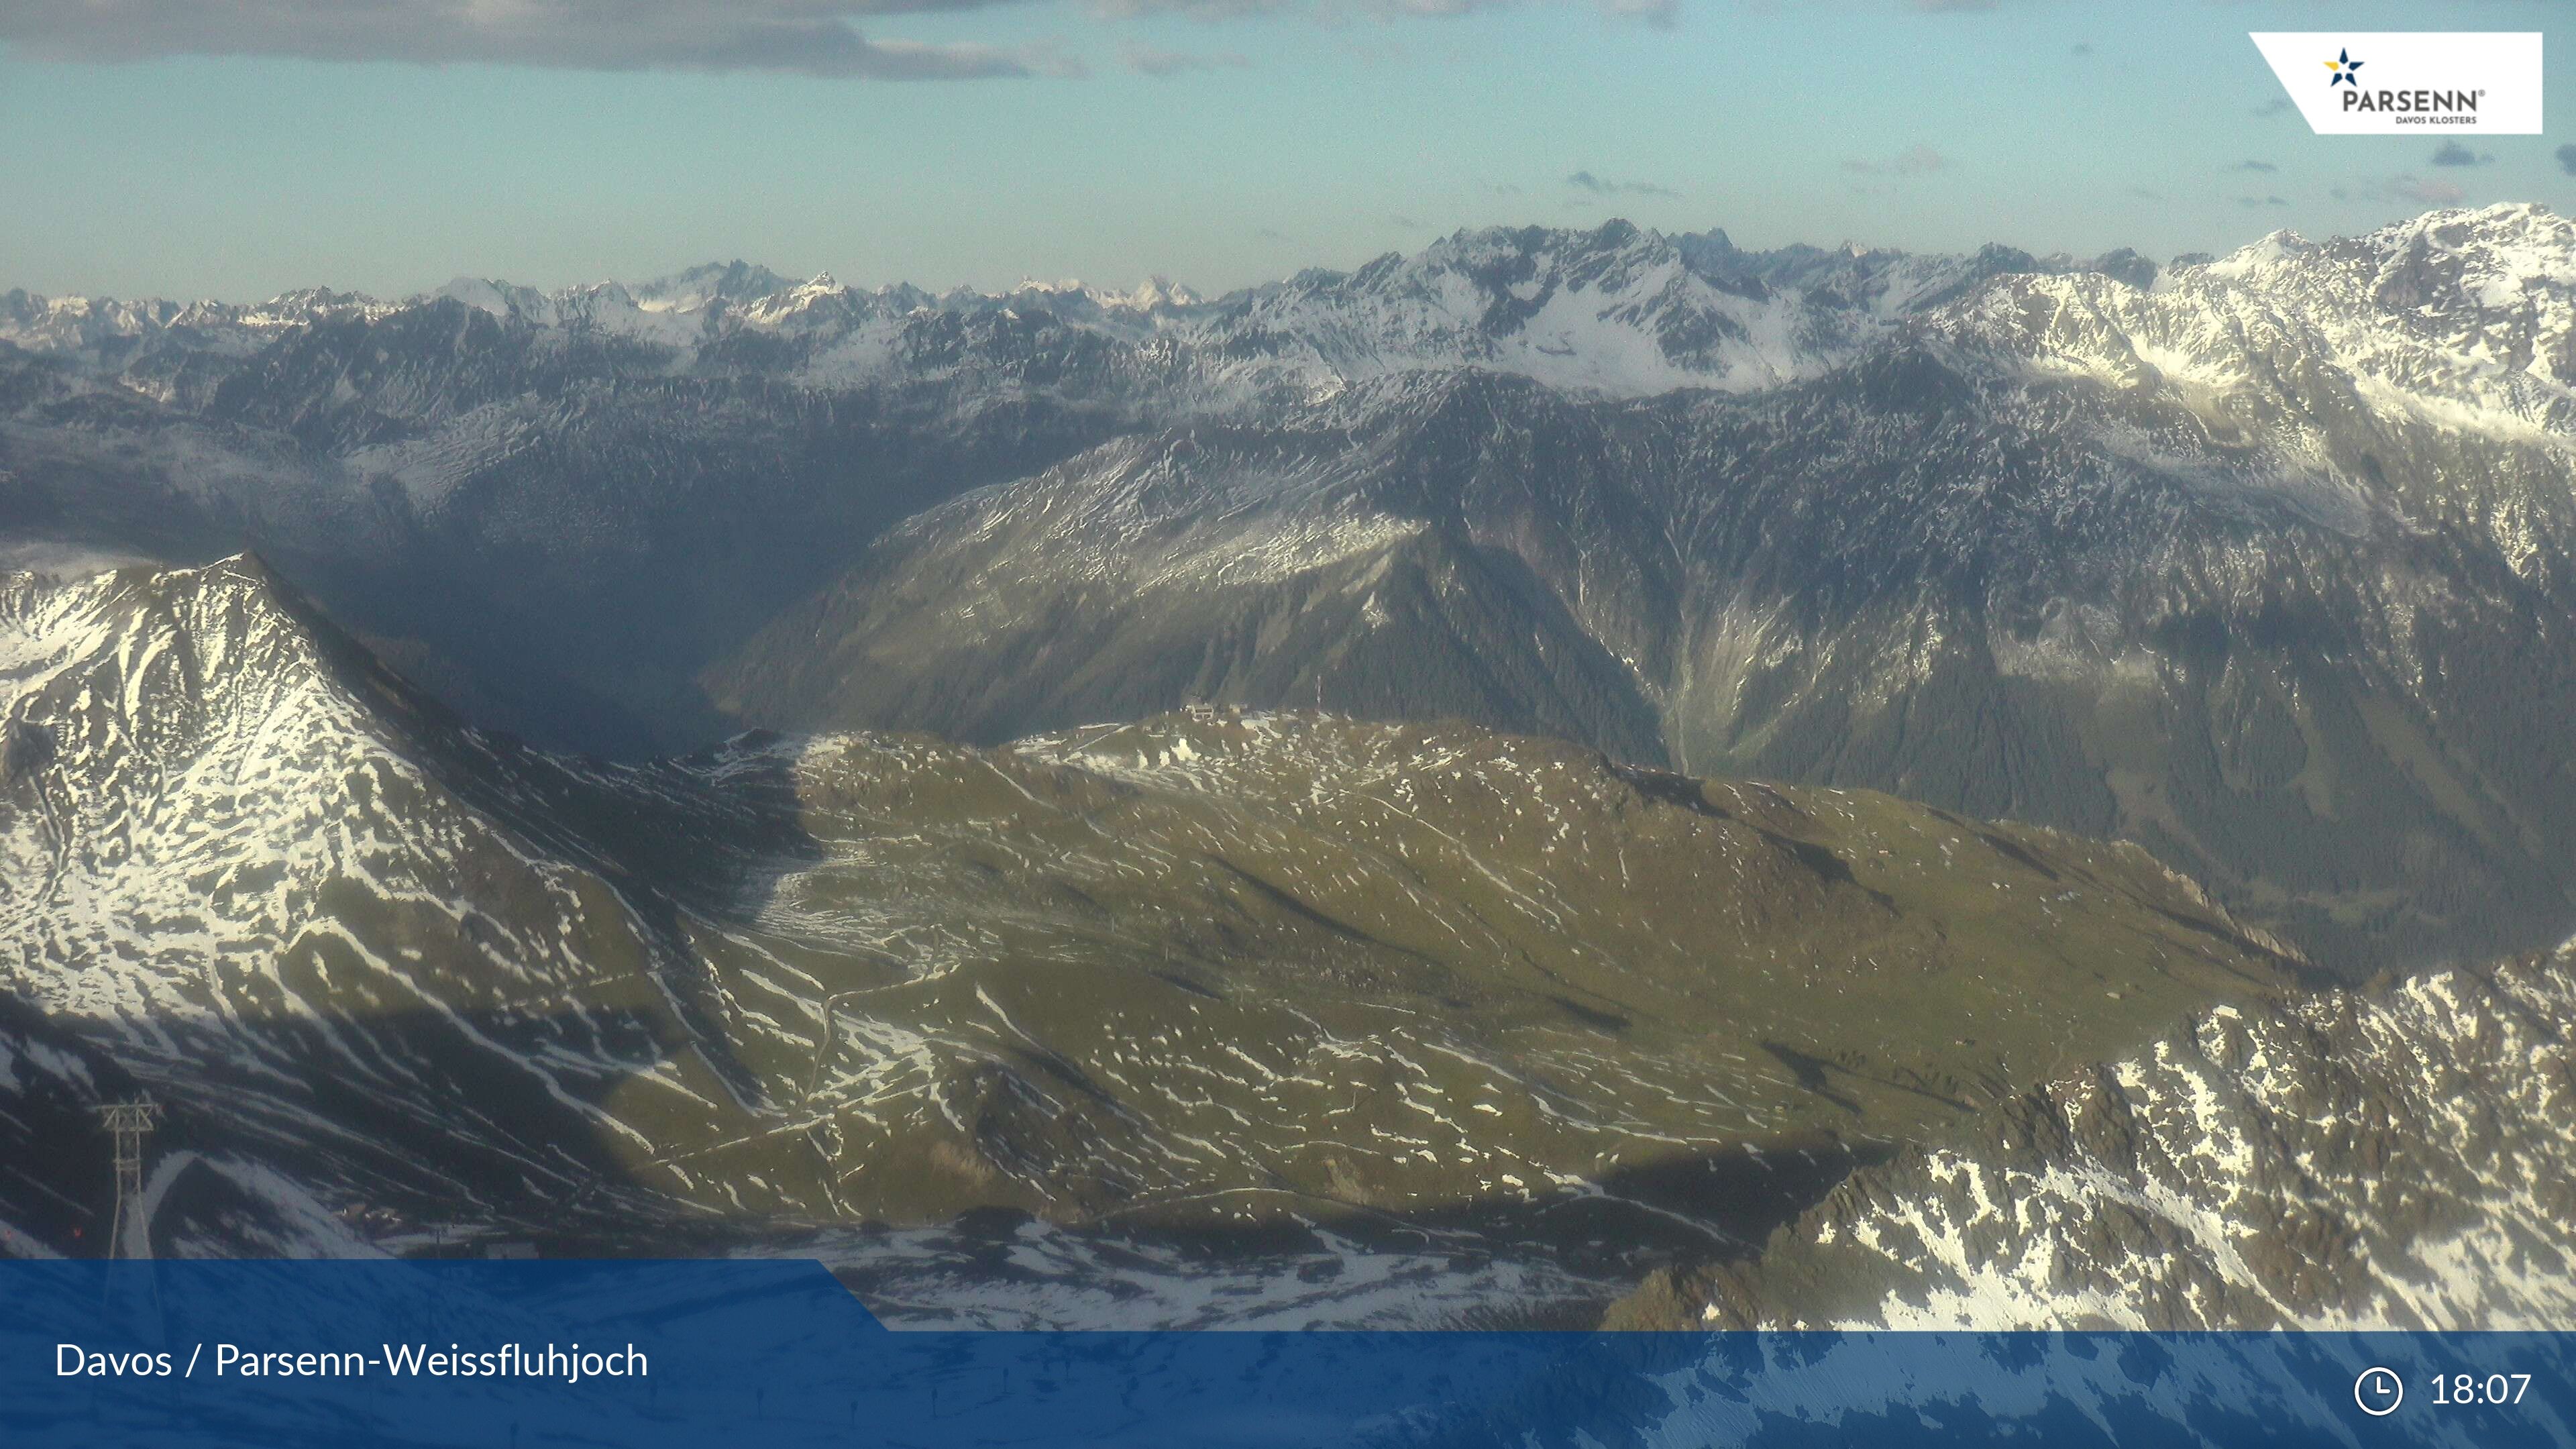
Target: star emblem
[{"x": 2343, "y": 66}]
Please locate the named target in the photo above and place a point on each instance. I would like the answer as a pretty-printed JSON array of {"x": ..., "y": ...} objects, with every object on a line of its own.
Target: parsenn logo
[
  {"x": 2481, "y": 81},
  {"x": 2343, "y": 70}
]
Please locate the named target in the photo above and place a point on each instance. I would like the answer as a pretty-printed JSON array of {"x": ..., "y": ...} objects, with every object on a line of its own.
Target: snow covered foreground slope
[{"x": 2400, "y": 1158}]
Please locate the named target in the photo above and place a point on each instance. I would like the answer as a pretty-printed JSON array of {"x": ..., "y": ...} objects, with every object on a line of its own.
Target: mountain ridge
[
  {"x": 1116, "y": 975},
  {"x": 1496, "y": 280}
]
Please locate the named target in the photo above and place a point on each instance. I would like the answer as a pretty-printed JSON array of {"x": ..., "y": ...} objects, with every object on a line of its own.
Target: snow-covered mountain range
[
  {"x": 1615, "y": 311},
  {"x": 2262, "y": 563}
]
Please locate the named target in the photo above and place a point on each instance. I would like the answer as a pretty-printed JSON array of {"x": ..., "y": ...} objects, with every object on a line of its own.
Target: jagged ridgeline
[
  {"x": 1207, "y": 967},
  {"x": 2397, "y": 1158}
]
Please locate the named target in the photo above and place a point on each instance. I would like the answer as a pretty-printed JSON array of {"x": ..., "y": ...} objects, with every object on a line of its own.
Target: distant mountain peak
[{"x": 711, "y": 282}]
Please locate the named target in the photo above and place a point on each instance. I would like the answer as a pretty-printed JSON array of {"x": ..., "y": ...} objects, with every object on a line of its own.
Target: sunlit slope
[
  {"x": 1199, "y": 965},
  {"x": 1402, "y": 964}
]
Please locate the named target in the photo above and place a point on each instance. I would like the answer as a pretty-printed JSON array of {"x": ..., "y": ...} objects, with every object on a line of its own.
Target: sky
[{"x": 239, "y": 148}]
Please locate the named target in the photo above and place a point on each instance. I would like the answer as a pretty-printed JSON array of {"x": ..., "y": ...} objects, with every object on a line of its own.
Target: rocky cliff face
[{"x": 2398, "y": 1158}]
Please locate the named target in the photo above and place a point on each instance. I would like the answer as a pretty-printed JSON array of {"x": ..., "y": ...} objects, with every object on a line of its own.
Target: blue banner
[{"x": 778, "y": 1353}]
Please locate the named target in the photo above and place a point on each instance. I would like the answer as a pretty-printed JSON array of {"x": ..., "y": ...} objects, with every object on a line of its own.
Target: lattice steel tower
[{"x": 129, "y": 1122}]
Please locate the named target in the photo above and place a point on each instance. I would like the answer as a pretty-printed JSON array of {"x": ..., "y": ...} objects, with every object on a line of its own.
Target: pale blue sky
[{"x": 1344, "y": 131}]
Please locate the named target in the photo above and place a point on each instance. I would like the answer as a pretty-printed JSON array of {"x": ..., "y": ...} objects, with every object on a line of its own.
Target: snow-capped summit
[
  {"x": 703, "y": 286},
  {"x": 1157, "y": 292},
  {"x": 2457, "y": 319}
]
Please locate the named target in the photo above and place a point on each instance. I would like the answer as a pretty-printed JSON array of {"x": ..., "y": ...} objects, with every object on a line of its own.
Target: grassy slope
[{"x": 1250, "y": 964}]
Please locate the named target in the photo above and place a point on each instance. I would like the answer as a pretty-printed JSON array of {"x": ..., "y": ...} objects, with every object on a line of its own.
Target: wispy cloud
[
  {"x": 2408, "y": 190},
  {"x": 1661, "y": 14},
  {"x": 2251, "y": 165},
  {"x": 1434, "y": 9},
  {"x": 2567, "y": 159},
  {"x": 2417, "y": 191},
  {"x": 2258, "y": 201},
  {"x": 2452, "y": 153},
  {"x": 804, "y": 37},
  {"x": 1190, "y": 9},
  {"x": 1586, "y": 181},
  {"x": 1145, "y": 60},
  {"x": 800, "y": 37},
  {"x": 1914, "y": 161},
  {"x": 2277, "y": 106}
]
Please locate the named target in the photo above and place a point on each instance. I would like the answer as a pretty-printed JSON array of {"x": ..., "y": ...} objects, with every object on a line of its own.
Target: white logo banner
[{"x": 2390, "y": 84}]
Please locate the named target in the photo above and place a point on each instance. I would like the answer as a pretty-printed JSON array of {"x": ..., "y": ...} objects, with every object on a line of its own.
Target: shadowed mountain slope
[{"x": 1208, "y": 970}]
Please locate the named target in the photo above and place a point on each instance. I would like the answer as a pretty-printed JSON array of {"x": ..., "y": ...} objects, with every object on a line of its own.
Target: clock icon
[{"x": 2379, "y": 1391}]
